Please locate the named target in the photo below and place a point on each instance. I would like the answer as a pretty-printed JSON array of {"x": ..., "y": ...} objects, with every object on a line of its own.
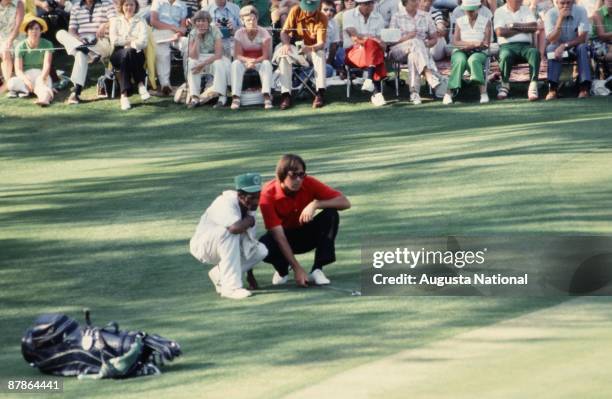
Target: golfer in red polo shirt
[{"x": 288, "y": 205}]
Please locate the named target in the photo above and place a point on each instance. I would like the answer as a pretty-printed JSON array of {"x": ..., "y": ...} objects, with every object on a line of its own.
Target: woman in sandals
[
  {"x": 252, "y": 50},
  {"x": 206, "y": 56},
  {"x": 471, "y": 41},
  {"x": 33, "y": 58}
]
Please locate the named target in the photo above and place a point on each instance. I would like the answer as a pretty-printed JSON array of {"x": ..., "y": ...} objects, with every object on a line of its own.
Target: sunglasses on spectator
[
  {"x": 328, "y": 9},
  {"x": 296, "y": 175}
]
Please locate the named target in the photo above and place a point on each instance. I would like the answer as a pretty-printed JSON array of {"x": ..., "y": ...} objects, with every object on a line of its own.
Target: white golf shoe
[
  {"x": 144, "y": 93},
  {"x": 238, "y": 293},
  {"x": 484, "y": 98},
  {"x": 278, "y": 280},
  {"x": 215, "y": 278},
  {"x": 125, "y": 103},
  {"x": 447, "y": 99},
  {"x": 317, "y": 277},
  {"x": 378, "y": 100}
]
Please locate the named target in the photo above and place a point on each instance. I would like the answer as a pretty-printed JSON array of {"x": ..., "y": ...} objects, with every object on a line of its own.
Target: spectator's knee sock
[{"x": 77, "y": 89}]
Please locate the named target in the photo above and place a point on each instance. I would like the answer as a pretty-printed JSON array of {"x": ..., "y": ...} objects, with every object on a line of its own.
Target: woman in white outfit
[
  {"x": 419, "y": 34},
  {"x": 206, "y": 56},
  {"x": 33, "y": 58},
  {"x": 128, "y": 35},
  {"x": 252, "y": 50}
]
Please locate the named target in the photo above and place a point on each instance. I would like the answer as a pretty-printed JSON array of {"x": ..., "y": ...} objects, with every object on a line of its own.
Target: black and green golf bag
[{"x": 57, "y": 345}]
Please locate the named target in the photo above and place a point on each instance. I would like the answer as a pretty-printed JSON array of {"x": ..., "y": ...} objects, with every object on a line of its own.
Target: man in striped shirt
[{"x": 87, "y": 35}]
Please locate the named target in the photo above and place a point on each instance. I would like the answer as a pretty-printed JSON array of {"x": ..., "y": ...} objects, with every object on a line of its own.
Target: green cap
[
  {"x": 471, "y": 5},
  {"x": 309, "y": 5},
  {"x": 248, "y": 182}
]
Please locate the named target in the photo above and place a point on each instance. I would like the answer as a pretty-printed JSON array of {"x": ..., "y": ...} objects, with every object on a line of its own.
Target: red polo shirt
[{"x": 279, "y": 209}]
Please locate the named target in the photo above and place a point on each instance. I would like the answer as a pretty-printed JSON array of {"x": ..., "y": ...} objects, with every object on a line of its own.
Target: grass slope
[{"x": 97, "y": 207}]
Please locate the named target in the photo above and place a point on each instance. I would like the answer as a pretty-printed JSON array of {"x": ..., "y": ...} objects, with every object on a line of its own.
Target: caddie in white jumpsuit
[{"x": 225, "y": 236}]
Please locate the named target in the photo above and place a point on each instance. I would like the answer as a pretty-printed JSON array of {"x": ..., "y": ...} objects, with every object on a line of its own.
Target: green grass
[{"x": 97, "y": 207}]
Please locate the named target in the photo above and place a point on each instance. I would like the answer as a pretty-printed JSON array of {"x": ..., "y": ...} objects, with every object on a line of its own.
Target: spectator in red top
[{"x": 288, "y": 206}]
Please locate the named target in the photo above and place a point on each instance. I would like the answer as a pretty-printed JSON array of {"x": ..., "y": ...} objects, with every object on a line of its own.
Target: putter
[{"x": 346, "y": 290}]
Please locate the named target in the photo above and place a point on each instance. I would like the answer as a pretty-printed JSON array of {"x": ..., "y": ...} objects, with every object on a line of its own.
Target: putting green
[{"x": 552, "y": 353}]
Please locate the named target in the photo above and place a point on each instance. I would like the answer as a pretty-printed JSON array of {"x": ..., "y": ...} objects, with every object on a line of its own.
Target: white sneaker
[
  {"x": 447, "y": 99},
  {"x": 415, "y": 98},
  {"x": 278, "y": 280},
  {"x": 238, "y": 293},
  {"x": 214, "y": 277},
  {"x": 378, "y": 100},
  {"x": 144, "y": 93},
  {"x": 484, "y": 98},
  {"x": 125, "y": 103},
  {"x": 11, "y": 94},
  {"x": 368, "y": 85},
  {"x": 318, "y": 277}
]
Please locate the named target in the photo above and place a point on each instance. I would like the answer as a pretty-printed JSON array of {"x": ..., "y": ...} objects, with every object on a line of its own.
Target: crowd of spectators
[{"x": 217, "y": 42}]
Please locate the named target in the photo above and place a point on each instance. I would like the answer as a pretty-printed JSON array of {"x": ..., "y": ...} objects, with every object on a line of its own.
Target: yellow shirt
[{"x": 311, "y": 28}]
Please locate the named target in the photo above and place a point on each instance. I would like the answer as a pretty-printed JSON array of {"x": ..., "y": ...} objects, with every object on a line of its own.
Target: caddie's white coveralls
[{"x": 213, "y": 243}]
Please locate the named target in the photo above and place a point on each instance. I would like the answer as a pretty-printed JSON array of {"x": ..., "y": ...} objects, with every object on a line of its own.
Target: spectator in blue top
[
  {"x": 567, "y": 28},
  {"x": 226, "y": 16},
  {"x": 169, "y": 21}
]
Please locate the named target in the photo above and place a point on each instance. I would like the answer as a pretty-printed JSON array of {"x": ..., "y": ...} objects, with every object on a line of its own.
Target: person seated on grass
[
  {"x": 87, "y": 39},
  {"x": 128, "y": 35},
  {"x": 288, "y": 205},
  {"x": 515, "y": 26},
  {"x": 602, "y": 29},
  {"x": 169, "y": 22},
  {"x": 226, "y": 16},
  {"x": 439, "y": 51},
  {"x": 419, "y": 34},
  {"x": 364, "y": 47},
  {"x": 206, "y": 56},
  {"x": 252, "y": 50},
  {"x": 33, "y": 57},
  {"x": 470, "y": 41},
  {"x": 11, "y": 16},
  {"x": 306, "y": 23},
  {"x": 567, "y": 29},
  {"x": 225, "y": 237}
]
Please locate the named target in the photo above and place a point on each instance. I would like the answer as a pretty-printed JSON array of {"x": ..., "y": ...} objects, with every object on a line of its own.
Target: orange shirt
[{"x": 311, "y": 28}]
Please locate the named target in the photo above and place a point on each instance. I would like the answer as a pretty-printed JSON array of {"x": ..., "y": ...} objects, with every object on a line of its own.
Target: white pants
[
  {"x": 163, "y": 54},
  {"x": 81, "y": 61},
  {"x": 419, "y": 61},
  {"x": 42, "y": 89},
  {"x": 286, "y": 70},
  {"x": 219, "y": 69},
  {"x": 216, "y": 245},
  {"x": 265, "y": 75}
]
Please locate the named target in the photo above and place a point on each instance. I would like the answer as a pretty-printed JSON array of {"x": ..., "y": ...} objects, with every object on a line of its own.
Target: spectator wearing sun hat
[
  {"x": 225, "y": 236},
  {"x": 306, "y": 23},
  {"x": 470, "y": 41},
  {"x": 33, "y": 57}
]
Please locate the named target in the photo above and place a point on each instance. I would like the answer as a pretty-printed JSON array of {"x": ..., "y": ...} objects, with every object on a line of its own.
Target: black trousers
[
  {"x": 320, "y": 235},
  {"x": 131, "y": 67}
]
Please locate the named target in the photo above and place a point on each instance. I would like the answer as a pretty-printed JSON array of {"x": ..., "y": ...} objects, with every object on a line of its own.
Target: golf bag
[{"x": 56, "y": 344}]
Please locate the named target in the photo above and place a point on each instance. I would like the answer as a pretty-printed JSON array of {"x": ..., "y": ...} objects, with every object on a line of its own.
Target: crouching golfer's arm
[
  {"x": 301, "y": 278},
  {"x": 242, "y": 225},
  {"x": 340, "y": 203}
]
